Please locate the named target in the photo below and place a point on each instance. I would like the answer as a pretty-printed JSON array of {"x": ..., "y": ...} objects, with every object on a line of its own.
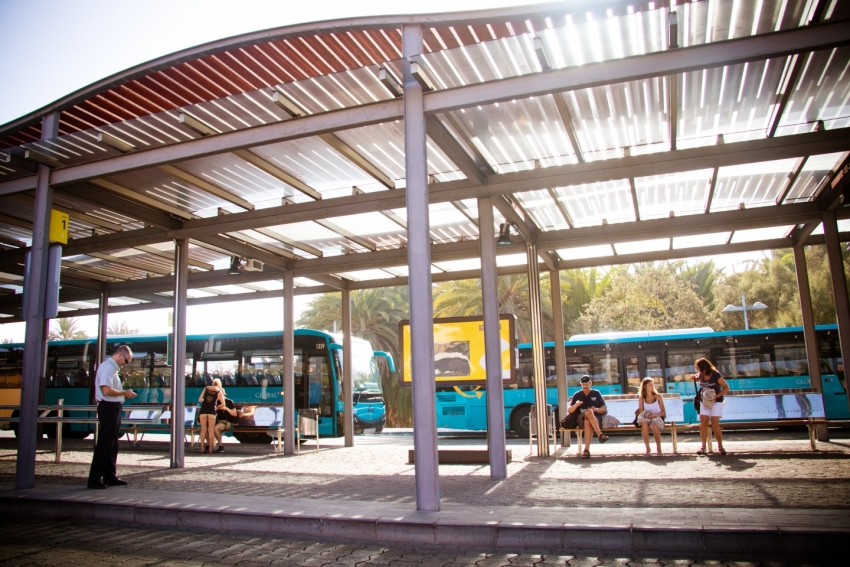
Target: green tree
[
  {"x": 701, "y": 276},
  {"x": 375, "y": 315},
  {"x": 121, "y": 327},
  {"x": 652, "y": 297},
  {"x": 6, "y": 342},
  {"x": 65, "y": 329}
]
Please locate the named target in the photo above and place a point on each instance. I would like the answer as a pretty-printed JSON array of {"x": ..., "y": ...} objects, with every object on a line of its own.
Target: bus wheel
[
  {"x": 251, "y": 437},
  {"x": 519, "y": 421}
]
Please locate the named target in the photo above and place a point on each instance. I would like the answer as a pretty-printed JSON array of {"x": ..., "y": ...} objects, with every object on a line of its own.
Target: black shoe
[
  {"x": 220, "y": 449},
  {"x": 96, "y": 485},
  {"x": 116, "y": 482}
]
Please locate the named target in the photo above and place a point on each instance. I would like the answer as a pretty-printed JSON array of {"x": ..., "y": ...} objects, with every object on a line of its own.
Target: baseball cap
[{"x": 585, "y": 379}]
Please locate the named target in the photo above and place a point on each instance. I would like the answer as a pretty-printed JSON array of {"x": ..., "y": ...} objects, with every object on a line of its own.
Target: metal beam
[
  {"x": 567, "y": 120},
  {"x": 135, "y": 207},
  {"x": 136, "y": 196},
  {"x": 123, "y": 261},
  {"x": 245, "y": 250},
  {"x": 444, "y": 140},
  {"x": 278, "y": 173},
  {"x": 205, "y": 185}
]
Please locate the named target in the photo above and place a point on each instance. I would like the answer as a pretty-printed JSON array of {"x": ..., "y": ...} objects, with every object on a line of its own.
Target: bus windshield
[{"x": 365, "y": 374}]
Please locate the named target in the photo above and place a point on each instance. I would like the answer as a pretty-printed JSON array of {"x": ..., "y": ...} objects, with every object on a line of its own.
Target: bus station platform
[{"x": 770, "y": 496}]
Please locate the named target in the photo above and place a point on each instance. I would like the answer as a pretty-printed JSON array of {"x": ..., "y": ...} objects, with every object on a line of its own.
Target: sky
[{"x": 54, "y": 47}]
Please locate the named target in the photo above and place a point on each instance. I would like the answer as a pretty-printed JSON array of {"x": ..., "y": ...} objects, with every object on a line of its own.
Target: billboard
[{"x": 459, "y": 351}]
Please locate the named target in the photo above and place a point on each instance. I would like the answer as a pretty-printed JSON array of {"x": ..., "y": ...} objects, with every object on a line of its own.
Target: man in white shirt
[{"x": 109, "y": 395}]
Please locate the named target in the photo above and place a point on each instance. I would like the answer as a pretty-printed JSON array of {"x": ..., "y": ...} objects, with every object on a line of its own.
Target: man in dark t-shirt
[
  {"x": 591, "y": 404},
  {"x": 225, "y": 417}
]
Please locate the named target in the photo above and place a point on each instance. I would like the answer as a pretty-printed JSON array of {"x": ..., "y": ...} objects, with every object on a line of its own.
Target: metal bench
[
  {"x": 623, "y": 407},
  {"x": 268, "y": 419}
]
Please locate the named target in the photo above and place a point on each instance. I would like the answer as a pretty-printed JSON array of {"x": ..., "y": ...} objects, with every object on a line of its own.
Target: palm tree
[
  {"x": 67, "y": 330},
  {"x": 375, "y": 315},
  {"x": 702, "y": 276},
  {"x": 121, "y": 327}
]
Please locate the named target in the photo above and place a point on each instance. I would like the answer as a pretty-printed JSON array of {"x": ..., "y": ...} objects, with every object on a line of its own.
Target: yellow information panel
[
  {"x": 58, "y": 227},
  {"x": 459, "y": 351}
]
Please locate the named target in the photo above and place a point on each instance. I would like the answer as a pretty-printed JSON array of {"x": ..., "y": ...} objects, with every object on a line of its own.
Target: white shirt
[{"x": 107, "y": 375}]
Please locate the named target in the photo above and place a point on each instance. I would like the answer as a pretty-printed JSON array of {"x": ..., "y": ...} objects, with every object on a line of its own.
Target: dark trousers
[{"x": 106, "y": 451}]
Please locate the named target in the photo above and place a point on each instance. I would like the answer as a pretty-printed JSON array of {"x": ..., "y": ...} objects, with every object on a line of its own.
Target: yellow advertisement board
[{"x": 459, "y": 351}]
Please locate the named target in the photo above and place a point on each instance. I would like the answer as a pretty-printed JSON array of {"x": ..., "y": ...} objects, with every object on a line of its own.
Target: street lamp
[{"x": 744, "y": 307}]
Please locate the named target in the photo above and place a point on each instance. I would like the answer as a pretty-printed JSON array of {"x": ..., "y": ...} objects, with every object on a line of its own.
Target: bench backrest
[
  {"x": 772, "y": 406},
  {"x": 623, "y": 408},
  {"x": 189, "y": 419}
]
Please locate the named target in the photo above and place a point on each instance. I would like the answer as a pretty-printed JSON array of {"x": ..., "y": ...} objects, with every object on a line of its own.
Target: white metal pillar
[
  {"x": 839, "y": 286},
  {"x": 33, "y": 310},
  {"x": 560, "y": 356},
  {"x": 419, "y": 269},
  {"x": 808, "y": 318},
  {"x": 347, "y": 380},
  {"x": 537, "y": 350},
  {"x": 492, "y": 341},
  {"x": 288, "y": 363},
  {"x": 178, "y": 370}
]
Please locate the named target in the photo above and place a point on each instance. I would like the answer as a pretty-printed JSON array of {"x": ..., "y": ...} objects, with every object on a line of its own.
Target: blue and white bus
[
  {"x": 250, "y": 367},
  {"x": 753, "y": 360}
]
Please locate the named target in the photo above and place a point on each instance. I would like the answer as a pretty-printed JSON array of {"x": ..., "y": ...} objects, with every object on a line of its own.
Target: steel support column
[
  {"x": 560, "y": 355},
  {"x": 178, "y": 370},
  {"x": 36, "y": 329},
  {"x": 839, "y": 285},
  {"x": 492, "y": 341},
  {"x": 288, "y": 363},
  {"x": 419, "y": 266},
  {"x": 347, "y": 381},
  {"x": 537, "y": 350},
  {"x": 102, "y": 327},
  {"x": 808, "y": 318}
]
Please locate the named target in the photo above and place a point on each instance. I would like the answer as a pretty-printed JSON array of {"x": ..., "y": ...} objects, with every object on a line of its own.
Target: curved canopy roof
[{"x": 610, "y": 132}]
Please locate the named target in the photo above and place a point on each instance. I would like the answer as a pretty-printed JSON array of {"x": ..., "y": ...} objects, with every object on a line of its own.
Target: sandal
[
  {"x": 603, "y": 438},
  {"x": 585, "y": 454},
  {"x": 722, "y": 451},
  {"x": 702, "y": 452}
]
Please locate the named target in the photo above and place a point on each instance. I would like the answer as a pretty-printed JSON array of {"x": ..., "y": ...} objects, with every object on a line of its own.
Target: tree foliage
[
  {"x": 65, "y": 329},
  {"x": 121, "y": 327},
  {"x": 652, "y": 297}
]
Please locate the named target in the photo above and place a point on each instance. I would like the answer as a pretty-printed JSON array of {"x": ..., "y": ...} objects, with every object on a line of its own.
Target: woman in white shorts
[{"x": 710, "y": 411}]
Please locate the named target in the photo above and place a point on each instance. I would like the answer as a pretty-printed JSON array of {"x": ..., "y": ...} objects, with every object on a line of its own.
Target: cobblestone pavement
[
  {"x": 44, "y": 543},
  {"x": 761, "y": 471}
]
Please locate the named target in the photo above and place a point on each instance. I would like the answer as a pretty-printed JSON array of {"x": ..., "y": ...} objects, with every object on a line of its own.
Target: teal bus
[
  {"x": 754, "y": 360},
  {"x": 249, "y": 365}
]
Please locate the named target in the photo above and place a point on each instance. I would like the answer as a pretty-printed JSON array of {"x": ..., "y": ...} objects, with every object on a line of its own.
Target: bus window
[
  {"x": 791, "y": 360},
  {"x": 68, "y": 372},
  {"x": 320, "y": 389},
  {"x": 606, "y": 369},
  {"x": 136, "y": 374},
  {"x": 745, "y": 363},
  {"x": 161, "y": 371},
  {"x": 578, "y": 366},
  {"x": 680, "y": 364},
  {"x": 261, "y": 369}
]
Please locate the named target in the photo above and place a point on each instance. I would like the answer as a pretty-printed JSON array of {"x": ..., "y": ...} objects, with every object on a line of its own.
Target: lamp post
[{"x": 744, "y": 307}]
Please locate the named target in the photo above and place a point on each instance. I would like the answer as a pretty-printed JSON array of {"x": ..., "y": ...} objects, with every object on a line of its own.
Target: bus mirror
[
  {"x": 335, "y": 346},
  {"x": 387, "y": 357}
]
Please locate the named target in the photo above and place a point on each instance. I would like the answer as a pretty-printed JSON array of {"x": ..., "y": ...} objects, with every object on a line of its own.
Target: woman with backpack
[
  {"x": 651, "y": 414},
  {"x": 712, "y": 387}
]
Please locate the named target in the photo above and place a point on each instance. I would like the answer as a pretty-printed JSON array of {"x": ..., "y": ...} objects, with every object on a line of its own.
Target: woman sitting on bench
[{"x": 651, "y": 413}]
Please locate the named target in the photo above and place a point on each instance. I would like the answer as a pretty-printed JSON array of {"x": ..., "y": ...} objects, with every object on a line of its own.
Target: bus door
[
  {"x": 314, "y": 385},
  {"x": 640, "y": 365}
]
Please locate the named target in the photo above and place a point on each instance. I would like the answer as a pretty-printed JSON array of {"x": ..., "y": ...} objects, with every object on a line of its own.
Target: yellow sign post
[{"x": 58, "y": 227}]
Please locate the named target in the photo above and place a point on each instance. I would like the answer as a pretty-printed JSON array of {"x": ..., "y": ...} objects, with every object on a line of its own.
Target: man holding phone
[{"x": 591, "y": 404}]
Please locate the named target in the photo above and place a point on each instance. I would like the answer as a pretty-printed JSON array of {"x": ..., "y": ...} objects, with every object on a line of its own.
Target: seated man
[
  {"x": 225, "y": 417},
  {"x": 590, "y": 404}
]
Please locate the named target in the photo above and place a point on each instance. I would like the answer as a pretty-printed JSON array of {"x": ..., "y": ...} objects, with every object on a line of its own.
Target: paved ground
[
  {"x": 763, "y": 470},
  {"x": 29, "y": 542}
]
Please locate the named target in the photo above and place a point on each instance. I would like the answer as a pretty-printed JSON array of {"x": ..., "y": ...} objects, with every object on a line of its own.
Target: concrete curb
[{"x": 454, "y": 526}]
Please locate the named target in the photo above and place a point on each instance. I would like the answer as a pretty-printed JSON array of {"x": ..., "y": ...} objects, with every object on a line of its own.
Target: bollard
[{"x": 59, "y": 428}]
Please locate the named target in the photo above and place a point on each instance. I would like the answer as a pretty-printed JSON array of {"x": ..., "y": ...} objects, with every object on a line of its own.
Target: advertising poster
[{"x": 459, "y": 351}]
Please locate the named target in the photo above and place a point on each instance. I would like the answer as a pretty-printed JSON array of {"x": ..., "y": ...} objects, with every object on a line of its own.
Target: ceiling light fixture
[
  {"x": 504, "y": 238},
  {"x": 418, "y": 72},
  {"x": 193, "y": 123},
  {"x": 115, "y": 143},
  {"x": 235, "y": 266}
]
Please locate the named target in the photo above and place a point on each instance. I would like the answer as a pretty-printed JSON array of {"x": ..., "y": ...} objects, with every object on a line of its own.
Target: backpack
[
  {"x": 697, "y": 395},
  {"x": 571, "y": 421}
]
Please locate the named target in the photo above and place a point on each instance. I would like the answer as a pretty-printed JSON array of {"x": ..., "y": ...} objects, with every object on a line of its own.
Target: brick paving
[
  {"x": 61, "y": 542},
  {"x": 775, "y": 471}
]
